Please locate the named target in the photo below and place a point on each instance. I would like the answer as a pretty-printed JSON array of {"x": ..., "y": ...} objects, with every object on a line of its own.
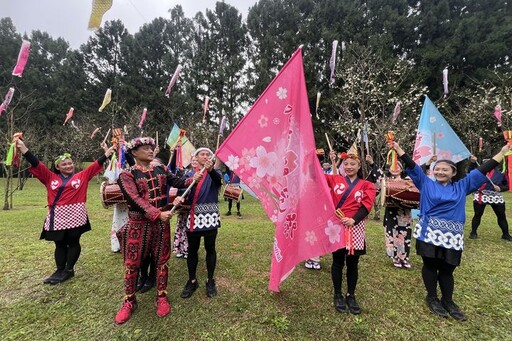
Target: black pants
[
  {"x": 194, "y": 241},
  {"x": 499, "y": 210},
  {"x": 437, "y": 270},
  {"x": 147, "y": 269},
  {"x": 230, "y": 205},
  {"x": 338, "y": 262},
  {"x": 67, "y": 252}
]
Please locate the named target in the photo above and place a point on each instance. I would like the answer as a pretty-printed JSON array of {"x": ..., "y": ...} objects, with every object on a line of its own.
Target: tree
[{"x": 369, "y": 92}]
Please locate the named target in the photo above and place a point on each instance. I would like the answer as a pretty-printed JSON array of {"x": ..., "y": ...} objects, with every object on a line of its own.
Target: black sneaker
[
  {"x": 239, "y": 215},
  {"x": 64, "y": 276},
  {"x": 339, "y": 303},
  {"x": 189, "y": 289},
  {"x": 353, "y": 307},
  {"x": 228, "y": 213},
  {"x": 507, "y": 237},
  {"x": 473, "y": 235},
  {"x": 211, "y": 288},
  {"x": 53, "y": 277},
  {"x": 436, "y": 307},
  {"x": 454, "y": 310}
]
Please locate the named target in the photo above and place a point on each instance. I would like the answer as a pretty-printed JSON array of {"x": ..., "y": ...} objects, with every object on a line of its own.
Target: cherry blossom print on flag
[
  {"x": 434, "y": 130},
  {"x": 272, "y": 150}
]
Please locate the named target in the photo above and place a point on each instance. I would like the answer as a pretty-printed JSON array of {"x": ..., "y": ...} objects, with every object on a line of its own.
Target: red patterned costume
[
  {"x": 145, "y": 192},
  {"x": 361, "y": 193}
]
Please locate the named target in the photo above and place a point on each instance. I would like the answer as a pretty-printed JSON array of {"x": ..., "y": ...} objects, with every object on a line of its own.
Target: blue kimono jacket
[{"x": 443, "y": 208}]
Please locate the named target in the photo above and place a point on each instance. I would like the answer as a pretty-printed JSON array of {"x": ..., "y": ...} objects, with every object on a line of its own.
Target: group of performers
[
  {"x": 146, "y": 233},
  {"x": 439, "y": 231}
]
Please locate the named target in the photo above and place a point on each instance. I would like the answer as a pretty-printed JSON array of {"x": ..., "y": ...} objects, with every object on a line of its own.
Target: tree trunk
[{"x": 8, "y": 181}]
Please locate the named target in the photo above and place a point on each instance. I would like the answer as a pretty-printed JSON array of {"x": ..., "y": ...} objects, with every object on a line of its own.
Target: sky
[{"x": 69, "y": 18}]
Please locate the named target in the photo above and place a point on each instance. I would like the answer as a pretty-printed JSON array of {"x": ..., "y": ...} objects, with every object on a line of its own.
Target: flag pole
[{"x": 184, "y": 195}]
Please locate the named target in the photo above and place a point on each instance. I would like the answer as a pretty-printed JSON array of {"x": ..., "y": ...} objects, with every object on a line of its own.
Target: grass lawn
[{"x": 392, "y": 299}]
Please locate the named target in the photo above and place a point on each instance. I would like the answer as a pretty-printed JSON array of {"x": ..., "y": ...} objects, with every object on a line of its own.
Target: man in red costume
[{"x": 144, "y": 187}]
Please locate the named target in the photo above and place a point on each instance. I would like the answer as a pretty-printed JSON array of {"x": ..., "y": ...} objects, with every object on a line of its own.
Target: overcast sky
[{"x": 69, "y": 18}]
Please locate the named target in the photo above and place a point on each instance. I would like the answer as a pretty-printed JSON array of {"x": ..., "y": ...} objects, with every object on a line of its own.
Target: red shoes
[
  {"x": 126, "y": 311},
  {"x": 162, "y": 306}
]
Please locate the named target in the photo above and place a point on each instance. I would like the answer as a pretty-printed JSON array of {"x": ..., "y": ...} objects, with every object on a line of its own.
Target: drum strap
[
  {"x": 351, "y": 186},
  {"x": 57, "y": 197},
  {"x": 194, "y": 200}
]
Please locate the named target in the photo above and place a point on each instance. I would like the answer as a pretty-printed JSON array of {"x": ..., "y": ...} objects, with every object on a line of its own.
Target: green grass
[{"x": 392, "y": 300}]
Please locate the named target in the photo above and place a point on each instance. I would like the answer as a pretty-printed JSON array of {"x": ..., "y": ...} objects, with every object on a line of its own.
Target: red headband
[{"x": 345, "y": 156}]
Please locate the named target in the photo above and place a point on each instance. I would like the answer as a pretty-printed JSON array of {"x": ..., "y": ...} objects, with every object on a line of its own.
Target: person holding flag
[
  {"x": 354, "y": 199},
  {"x": 144, "y": 186},
  {"x": 439, "y": 231},
  {"x": 203, "y": 221}
]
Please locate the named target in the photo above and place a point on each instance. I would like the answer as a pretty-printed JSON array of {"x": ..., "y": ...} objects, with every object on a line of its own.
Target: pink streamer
[
  {"x": 497, "y": 113},
  {"x": 173, "y": 81},
  {"x": 445, "y": 82},
  {"x": 68, "y": 115},
  {"x": 396, "y": 112},
  {"x": 22, "y": 59},
  {"x": 206, "y": 107},
  {"x": 143, "y": 117},
  {"x": 95, "y": 132},
  {"x": 7, "y": 100}
]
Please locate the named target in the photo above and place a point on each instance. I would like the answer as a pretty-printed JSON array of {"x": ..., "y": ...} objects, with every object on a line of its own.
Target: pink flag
[
  {"x": 22, "y": 59},
  {"x": 396, "y": 112},
  {"x": 497, "y": 113},
  {"x": 273, "y": 151},
  {"x": 68, "y": 115},
  {"x": 143, "y": 117},
  {"x": 7, "y": 100},
  {"x": 173, "y": 80}
]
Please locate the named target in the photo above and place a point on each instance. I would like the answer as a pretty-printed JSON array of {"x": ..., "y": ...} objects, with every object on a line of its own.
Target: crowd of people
[{"x": 141, "y": 225}]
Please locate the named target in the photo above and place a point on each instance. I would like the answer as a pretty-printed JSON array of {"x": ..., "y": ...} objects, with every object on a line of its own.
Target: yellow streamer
[{"x": 99, "y": 8}]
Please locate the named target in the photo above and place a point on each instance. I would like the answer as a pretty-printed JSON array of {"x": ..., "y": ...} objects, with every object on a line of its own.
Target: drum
[
  {"x": 399, "y": 193},
  {"x": 232, "y": 192},
  {"x": 110, "y": 194}
]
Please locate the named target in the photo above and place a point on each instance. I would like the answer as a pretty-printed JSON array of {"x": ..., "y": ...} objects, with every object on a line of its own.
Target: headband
[
  {"x": 449, "y": 163},
  {"x": 202, "y": 150},
  {"x": 61, "y": 158},
  {"x": 140, "y": 141},
  {"x": 345, "y": 156}
]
